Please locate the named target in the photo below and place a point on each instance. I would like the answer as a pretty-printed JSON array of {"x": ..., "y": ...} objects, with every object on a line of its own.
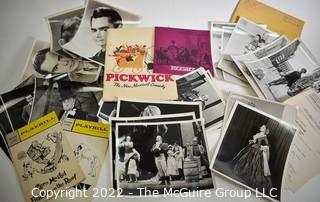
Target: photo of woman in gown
[{"x": 251, "y": 164}]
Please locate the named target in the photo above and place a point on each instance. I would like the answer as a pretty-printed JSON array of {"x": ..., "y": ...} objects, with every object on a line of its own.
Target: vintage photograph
[
  {"x": 176, "y": 158},
  {"x": 196, "y": 86},
  {"x": 90, "y": 39},
  {"x": 286, "y": 72},
  {"x": 106, "y": 110},
  {"x": 282, "y": 111},
  {"x": 253, "y": 150},
  {"x": 46, "y": 64},
  {"x": 225, "y": 63},
  {"x": 154, "y": 119},
  {"x": 135, "y": 108},
  {"x": 248, "y": 36},
  {"x": 5, "y": 128},
  {"x": 63, "y": 27},
  {"x": 216, "y": 30},
  {"x": 255, "y": 55},
  {"x": 65, "y": 98},
  {"x": 18, "y": 105}
]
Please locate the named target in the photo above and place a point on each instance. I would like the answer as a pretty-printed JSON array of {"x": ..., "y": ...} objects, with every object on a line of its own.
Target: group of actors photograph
[{"x": 159, "y": 156}]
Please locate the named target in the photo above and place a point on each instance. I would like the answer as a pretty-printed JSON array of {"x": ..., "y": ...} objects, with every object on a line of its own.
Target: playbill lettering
[{"x": 42, "y": 156}]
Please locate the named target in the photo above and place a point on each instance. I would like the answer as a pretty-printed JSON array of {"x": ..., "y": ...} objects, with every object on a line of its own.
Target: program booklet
[
  {"x": 42, "y": 157},
  {"x": 179, "y": 51},
  {"x": 89, "y": 142},
  {"x": 129, "y": 64}
]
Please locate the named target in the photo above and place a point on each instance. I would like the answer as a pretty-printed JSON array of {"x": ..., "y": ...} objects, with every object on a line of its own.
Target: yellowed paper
[
  {"x": 89, "y": 142},
  {"x": 276, "y": 20},
  {"x": 43, "y": 158}
]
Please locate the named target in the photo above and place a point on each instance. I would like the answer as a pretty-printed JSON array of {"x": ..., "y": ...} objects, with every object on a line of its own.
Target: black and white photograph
[
  {"x": 176, "y": 158},
  {"x": 63, "y": 27},
  {"x": 248, "y": 36},
  {"x": 136, "y": 108},
  {"x": 5, "y": 128},
  {"x": 106, "y": 110},
  {"x": 154, "y": 119},
  {"x": 255, "y": 55},
  {"x": 282, "y": 111},
  {"x": 196, "y": 86},
  {"x": 286, "y": 72},
  {"x": 46, "y": 64},
  {"x": 66, "y": 98},
  {"x": 18, "y": 104},
  {"x": 15, "y": 109},
  {"x": 225, "y": 62},
  {"x": 216, "y": 30},
  {"x": 90, "y": 40},
  {"x": 253, "y": 150}
]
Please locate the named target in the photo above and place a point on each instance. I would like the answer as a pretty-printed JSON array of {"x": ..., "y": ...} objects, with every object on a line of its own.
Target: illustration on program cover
[
  {"x": 130, "y": 50},
  {"x": 42, "y": 156},
  {"x": 179, "y": 51},
  {"x": 89, "y": 142},
  {"x": 129, "y": 64}
]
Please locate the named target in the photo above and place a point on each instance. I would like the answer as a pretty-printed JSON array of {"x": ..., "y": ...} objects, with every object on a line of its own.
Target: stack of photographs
[
  {"x": 158, "y": 146},
  {"x": 253, "y": 150}
]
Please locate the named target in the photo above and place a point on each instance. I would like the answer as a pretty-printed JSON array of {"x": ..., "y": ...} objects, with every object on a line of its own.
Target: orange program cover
[
  {"x": 129, "y": 67},
  {"x": 276, "y": 20}
]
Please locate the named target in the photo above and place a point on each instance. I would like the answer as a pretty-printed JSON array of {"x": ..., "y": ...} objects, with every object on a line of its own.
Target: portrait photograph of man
[{"x": 90, "y": 39}]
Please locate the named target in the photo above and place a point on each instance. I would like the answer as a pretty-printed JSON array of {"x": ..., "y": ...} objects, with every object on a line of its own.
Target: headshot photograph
[
  {"x": 63, "y": 27},
  {"x": 44, "y": 63},
  {"x": 90, "y": 39}
]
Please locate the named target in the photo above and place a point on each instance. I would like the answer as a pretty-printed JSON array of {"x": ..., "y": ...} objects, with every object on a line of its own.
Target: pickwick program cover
[
  {"x": 179, "y": 51},
  {"x": 42, "y": 157},
  {"x": 129, "y": 67}
]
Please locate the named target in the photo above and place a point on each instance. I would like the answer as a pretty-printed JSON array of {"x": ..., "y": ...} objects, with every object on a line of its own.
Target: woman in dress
[
  {"x": 172, "y": 169},
  {"x": 252, "y": 162}
]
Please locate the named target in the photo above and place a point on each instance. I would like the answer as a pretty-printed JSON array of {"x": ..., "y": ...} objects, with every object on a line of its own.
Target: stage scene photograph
[{"x": 159, "y": 156}]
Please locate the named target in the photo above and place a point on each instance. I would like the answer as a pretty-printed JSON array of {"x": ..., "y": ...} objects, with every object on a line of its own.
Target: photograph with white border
[
  {"x": 286, "y": 72},
  {"x": 90, "y": 39},
  {"x": 63, "y": 27},
  {"x": 255, "y": 55},
  {"x": 139, "y": 108},
  {"x": 151, "y": 163},
  {"x": 196, "y": 86},
  {"x": 253, "y": 150},
  {"x": 152, "y": 119}
]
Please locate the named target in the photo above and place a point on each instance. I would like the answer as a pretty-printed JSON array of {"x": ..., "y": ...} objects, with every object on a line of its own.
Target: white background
[{"x": 22, "y": 20}]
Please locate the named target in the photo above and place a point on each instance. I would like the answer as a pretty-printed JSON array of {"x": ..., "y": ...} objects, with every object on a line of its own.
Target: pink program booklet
[{"x": 179, "y": 51}]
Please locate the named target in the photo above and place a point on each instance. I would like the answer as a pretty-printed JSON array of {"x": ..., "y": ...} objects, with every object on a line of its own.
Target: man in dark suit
[{"x": 102, "y": 19}]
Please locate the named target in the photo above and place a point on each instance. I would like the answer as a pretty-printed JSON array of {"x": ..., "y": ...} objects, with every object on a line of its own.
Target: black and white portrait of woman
[{"x": 253, "y": 150}]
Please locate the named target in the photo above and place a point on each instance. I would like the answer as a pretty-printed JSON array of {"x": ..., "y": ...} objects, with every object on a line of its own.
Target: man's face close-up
[
  {"x": 99, "y": 27},
  {"x": 57, "y": 64}
]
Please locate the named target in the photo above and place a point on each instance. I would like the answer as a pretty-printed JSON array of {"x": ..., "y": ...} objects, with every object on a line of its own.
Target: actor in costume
[
  {"x": 159, "y": 150},
  {"x": 252, "y": 162}
]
